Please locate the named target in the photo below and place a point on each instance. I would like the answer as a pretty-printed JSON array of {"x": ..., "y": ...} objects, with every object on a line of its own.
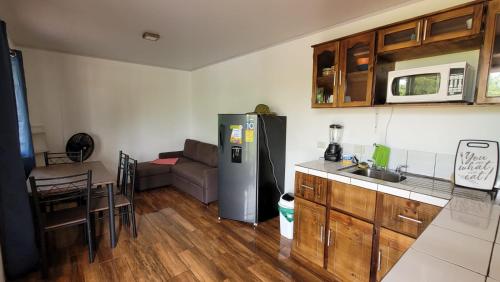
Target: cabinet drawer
[
  {"x": 309, "y": 231},
  {"x": 310, "y": 187},
  {"x": 392, "y": 246},
  {"x": 352, "y": 199},
  {"x": 407, "y": 216}
]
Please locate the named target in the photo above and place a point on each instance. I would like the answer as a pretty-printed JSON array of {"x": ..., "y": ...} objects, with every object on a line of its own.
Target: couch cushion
[
  {"x": 190, "y": 149},
  {"x": 148, "y": 168},
  {"x": 192, "y": 171},
  {"x": 207, "y": 154}
]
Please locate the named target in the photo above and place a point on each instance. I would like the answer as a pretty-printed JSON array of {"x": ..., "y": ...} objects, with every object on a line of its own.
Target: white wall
[
  {"x": 280, "y": 76},
  {"x": 140, "y": 109},
  {"x": 145, "y": 110}
]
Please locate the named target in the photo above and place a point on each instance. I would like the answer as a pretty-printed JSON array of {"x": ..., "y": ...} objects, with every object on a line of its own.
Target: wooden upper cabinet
[
  {"x": 356, "y": 70},
  {"x": 392, "y": 246},
  {"x": 310, "y": 187},
  {"x": 407, "y": 216},
  {"x": 309, "y": 231},
  {"x": 325, "y": 75},
  {"x": 349, "y": 243},
  {"x": 354, "y": 200},
  {"x": 453, "y": 24},
  {"x": 488, "y": 89},
  {"x": 400, "y": 36}
]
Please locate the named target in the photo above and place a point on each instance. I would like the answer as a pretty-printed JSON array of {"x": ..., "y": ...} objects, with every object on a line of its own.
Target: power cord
[
  {"x": 264, "y": 127},
  {"x": 387, "y": 126}
]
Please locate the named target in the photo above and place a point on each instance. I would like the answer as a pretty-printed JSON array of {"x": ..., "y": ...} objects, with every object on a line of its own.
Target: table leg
[{"x": 111, "y": 203}]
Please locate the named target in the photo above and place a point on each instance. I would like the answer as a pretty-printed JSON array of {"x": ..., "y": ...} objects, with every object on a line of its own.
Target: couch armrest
[
  {"x": 211, "y": 184},
  {"x": 166, "y": 155}
]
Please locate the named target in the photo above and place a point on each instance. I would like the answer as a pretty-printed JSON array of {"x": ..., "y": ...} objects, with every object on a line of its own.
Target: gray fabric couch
[{"x": 194, "y": 173}]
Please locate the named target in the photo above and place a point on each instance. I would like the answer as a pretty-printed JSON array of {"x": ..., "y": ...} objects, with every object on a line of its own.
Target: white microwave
[{"x": 440, "y": 83}]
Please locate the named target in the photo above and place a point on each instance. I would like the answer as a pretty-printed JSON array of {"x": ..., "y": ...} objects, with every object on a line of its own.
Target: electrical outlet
[{"x": 321, "y": 145}]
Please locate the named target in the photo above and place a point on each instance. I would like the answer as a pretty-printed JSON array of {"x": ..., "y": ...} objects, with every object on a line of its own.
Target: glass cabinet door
[
  {"x": 399, "y": 36},
  {"x": 453, "y": 24},
  {"x": 325, "y": 75},
  {"x": 489, "y": 67},
  {"x": 356, "y": 70}
]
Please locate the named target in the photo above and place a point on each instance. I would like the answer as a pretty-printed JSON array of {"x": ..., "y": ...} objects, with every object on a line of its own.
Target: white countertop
[{"x": 459, "y": 243}]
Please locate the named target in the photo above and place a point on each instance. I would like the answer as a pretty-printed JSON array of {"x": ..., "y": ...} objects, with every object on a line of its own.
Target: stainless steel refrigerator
[{"x": 251, "y": 166}]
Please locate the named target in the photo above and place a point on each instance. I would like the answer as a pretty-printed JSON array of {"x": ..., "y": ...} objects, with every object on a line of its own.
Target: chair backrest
[
  {"x": 130, "y": 178},
  {"x": 62, "y": 158},
  {"x": 56, "y": 189},
  {"x": 122, "y": 165}
]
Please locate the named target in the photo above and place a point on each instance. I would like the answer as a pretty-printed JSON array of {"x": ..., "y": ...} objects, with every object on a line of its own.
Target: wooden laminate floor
[{"x": 180, "y": 239}]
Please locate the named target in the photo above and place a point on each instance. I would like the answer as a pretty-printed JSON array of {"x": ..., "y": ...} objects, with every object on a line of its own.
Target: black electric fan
[{"x": 80, "y": 142}]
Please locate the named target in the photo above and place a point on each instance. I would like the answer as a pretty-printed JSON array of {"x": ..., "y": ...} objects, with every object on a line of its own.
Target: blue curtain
[
  {"x": 25, "y": 141},
  {"x": 17, "y": 233}
]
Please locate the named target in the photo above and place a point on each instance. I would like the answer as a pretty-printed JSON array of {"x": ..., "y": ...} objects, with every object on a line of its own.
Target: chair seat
[
  {"x": 101, "y": 204},
  {"x": 65, "y": 217}
]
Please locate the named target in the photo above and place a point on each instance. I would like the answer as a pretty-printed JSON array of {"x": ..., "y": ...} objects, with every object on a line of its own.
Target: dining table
[{"x": 101, "y": 177}]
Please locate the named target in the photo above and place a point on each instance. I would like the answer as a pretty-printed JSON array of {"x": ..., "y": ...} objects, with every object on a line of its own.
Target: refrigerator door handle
[{"x": 222, "y": 129}]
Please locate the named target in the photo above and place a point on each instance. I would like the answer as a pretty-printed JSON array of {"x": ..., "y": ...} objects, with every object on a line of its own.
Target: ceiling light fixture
[{"x": 151, "y": 36}]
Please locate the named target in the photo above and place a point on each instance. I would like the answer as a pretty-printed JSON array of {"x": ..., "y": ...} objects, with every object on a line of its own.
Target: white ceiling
[{"x": 194, "y": 33}]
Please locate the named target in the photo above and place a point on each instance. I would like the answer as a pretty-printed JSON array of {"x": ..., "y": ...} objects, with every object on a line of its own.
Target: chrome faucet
[
  {"x": 372, "y": 164},
  {"x": 399, "y": 168}
]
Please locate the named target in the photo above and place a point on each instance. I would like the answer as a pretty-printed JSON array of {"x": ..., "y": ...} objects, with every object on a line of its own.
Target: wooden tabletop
[{"x": 100, "y": 174}]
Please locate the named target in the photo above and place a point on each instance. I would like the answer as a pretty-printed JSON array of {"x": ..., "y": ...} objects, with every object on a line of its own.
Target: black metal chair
[
  {"x": 47, "y": 191},
  {"x": 124, "y": 200},
  {"x": 63, "y": 158},
  {"x": 120, "y": 179}
]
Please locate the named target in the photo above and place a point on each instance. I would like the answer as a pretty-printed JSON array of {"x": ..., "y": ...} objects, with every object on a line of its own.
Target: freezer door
[{"x": 238, "y": 167}]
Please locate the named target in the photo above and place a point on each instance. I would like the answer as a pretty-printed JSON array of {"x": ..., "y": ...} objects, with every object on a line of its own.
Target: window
[{"x": 25, "y": 142}]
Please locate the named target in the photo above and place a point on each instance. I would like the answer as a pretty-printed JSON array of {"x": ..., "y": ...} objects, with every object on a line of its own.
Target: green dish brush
[{"x": 381, "y": 156}]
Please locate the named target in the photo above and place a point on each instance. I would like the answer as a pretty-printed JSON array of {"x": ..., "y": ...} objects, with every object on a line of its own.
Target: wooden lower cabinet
[
  {"x": 309, "y": 231},
  {"x": 337, "y": 229},
  {"x": 349, "y": 242},
  {"x": 392, "y": 246}
]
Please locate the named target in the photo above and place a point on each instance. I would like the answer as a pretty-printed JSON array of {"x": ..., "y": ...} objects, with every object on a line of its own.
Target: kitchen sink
[{"x": 385, "y": 175}]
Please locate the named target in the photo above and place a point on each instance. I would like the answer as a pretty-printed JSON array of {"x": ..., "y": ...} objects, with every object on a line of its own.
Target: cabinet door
[
  {"x": 310, "y": 187},
  {"x": 488, "y": 88},
  {"x": 407, "y": 216},
  {"x": 453, "y": 24},
  {"x": 392, "y": 246},
  {"x": 349, "y": 242},
  {"x": 354, "y": 200},
  {"x": 356, "y": 70},
  {"x": 399, "y": 36},
  {"x": 325, "y": 75},
  {"x": 309, "y": 231}
]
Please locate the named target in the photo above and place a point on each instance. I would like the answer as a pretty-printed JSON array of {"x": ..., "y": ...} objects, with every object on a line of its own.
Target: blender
[{"x": 334, "y": 150}]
